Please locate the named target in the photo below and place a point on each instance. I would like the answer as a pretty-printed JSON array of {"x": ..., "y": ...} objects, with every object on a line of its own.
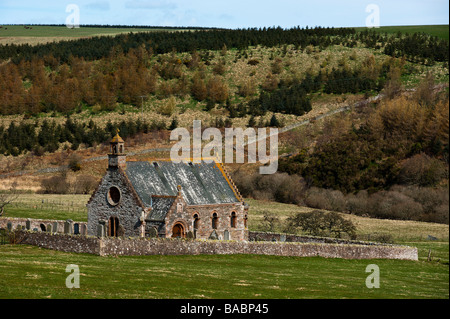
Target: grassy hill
[
  {"x": 441, "y": 31},
  {"x": 39, "y": 34}
]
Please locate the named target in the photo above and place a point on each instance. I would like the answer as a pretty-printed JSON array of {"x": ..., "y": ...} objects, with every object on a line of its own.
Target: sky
[{"x": 228, "y": 13}]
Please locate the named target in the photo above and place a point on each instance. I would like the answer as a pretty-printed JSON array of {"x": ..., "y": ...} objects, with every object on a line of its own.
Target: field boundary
[{"x": 109, "y": 246}]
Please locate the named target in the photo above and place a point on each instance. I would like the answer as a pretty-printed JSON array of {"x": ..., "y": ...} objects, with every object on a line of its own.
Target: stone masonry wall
[
  {"x": 127, "y": 210},
  {"x": 36, "y": 224},
  {"x": 159, "y": 246},
  {"x": 274, "y": 237},
  {"x": 61, "y": 242}
]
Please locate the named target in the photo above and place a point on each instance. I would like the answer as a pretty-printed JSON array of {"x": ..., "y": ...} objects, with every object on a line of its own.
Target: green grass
[
  {"x": 62, "y": 31},
  {"x": 77, "y": 215},
  {"x": 441, "y": 31},
  {"x": 32, "y": 272}
]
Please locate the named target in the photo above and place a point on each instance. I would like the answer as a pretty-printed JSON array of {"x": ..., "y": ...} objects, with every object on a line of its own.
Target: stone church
[{"x": 160, "y": 198}]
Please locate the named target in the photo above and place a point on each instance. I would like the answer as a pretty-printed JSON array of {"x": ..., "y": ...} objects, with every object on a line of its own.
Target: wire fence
[{"x": 50, "y": 205}]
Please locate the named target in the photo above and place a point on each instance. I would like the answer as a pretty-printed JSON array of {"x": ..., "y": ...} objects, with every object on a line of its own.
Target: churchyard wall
[{"x": 127, "y": 246}]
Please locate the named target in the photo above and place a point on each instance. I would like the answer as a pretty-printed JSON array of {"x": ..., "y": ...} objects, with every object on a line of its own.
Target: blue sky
[{"x": 226, "y": 13}]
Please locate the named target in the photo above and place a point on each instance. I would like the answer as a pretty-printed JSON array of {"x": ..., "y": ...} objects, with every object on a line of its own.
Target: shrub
[
  {"x": 85, "y": 184},
  {"x": 217, "y": 90},
  {"x": 75, "y": 162},
  {"x": 270, "y": 83},
  {"x": 55, "y": 185},
  {"x": 270, "y": 220},
  {"x": 325, "y": 199},
  {"x": 247, "y": 88},
  {"x": 168, "y": 107},
  {"x": 318, "y": 223},
  {"x": 422, "y": 170}
]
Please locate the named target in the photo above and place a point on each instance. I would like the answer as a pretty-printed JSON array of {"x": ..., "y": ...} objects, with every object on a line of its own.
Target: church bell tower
[{"x": 117, "y": 156}]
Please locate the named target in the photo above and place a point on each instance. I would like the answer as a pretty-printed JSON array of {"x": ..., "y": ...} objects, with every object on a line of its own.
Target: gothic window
[
  {"x": 196, "y": 221},
  {"x": 113, "y": 226},
  {"x": 233, "y": 220},
  {"x": 215, "y": 220}
]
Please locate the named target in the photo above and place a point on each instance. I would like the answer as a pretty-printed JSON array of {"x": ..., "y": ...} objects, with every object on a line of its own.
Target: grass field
[
  {"x": 31, "y": 272},
  {"x": 441, "y": 31},
  {"x": 63, "y": 31},
  {"x": 18, "y": 34}
]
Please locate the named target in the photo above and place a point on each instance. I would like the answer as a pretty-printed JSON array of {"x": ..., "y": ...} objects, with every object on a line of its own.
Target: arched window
[
  {"x": 196, "y": 222},
  {"x": 113, "y": 226},
  {"x": 233, "y": 220},
  {"x": 215, "y": 220}
]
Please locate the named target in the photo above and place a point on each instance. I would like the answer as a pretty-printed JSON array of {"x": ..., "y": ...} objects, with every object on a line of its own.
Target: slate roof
[
  {"x": 202, "y": 183},
  {"x": 160, "y": 207}
]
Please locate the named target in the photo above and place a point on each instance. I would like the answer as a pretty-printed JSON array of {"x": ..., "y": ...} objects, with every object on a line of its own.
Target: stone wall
[
  {"x": 160, "y": 246},
  {"x": 54, "y": 226},
  {"x": 281, "y": 237},
  {"x": 128, "y": 210},
  {"x": 61, "y": 242}
]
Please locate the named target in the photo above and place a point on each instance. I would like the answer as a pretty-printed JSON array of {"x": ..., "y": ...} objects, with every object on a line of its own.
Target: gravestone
[
  {"x": 152, "y": 232},
  {"x": 76, "y": 229},
  {"x": 226, "y": 235},
  {"x": 55, "y": 227},
  {"x": 68, "y": 226},
  {"x": 83, "y": 229},
  {"x": 214, "y": 235},
  {"x": 28, "y": 224},
  {"x": 190, "y": 235},
  {"x": 283, "y": 238},
  {"x": 101, "y": 230},
  {"x": 9, "y": 226},
  {"x": 49, "y": 228}
]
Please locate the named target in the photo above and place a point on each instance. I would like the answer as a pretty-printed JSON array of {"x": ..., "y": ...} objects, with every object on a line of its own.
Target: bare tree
[{"x": 8, "y": 197}]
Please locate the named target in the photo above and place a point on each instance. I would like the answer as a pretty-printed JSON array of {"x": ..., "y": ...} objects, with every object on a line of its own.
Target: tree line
[
  {"x": 419, "y": 47},
  {"x": 48, "y": 136},
  {"x": 161, "y": 42}
]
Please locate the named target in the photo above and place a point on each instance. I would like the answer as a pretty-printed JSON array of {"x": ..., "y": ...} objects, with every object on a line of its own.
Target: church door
[{"x": 178, "y": 231}]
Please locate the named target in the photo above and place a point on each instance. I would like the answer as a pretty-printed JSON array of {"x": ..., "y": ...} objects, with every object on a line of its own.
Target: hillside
[
  {"x": 42, "y": 34},
  {"x": 441, "y": 31},
  {"x": 58, "y": 109}
]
